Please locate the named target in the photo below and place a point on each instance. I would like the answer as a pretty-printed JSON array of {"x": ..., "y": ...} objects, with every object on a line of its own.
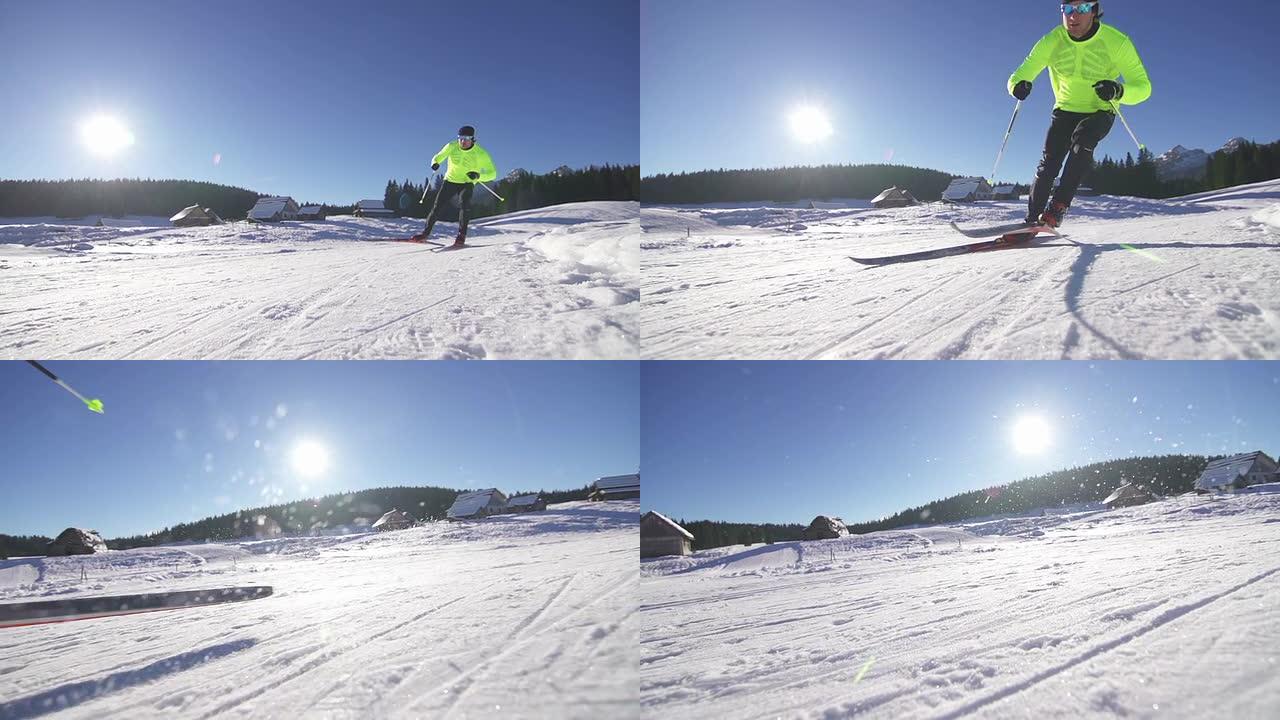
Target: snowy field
[
  {"x": 556, "y": 283},
  {"x": 1190, "y": 278},
  {"x": 516, "y": 616},
  {"x": 1168, "y": 610}
]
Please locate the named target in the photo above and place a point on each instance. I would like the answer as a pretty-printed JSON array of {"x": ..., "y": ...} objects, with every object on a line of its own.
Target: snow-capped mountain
[{"x": 1181, "y": 162}]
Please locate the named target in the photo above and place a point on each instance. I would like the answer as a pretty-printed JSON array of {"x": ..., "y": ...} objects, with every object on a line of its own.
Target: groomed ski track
[
  {"x": 560, "y": 282},
  {"x": 522, "y": 615},
  {"x": 1189, "y": 278},
  {"x": 1167, "y": 610}
]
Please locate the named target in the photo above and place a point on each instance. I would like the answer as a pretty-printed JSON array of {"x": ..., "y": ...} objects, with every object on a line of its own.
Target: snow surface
[
  {"x": 1165, "y": 610},
  {"x": 514, "y": 616},
  {"x": 1188, "y": 278},
  {"x": 560, "y": 282}
]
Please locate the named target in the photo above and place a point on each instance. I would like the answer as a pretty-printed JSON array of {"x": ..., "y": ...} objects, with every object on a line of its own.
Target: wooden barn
[
  {"x": 825, "y": 528},
  {"x": 75, "y": 541},
  {"x": 1238, "y": 471},
  {"x": 274, "y": 209},
  {"x": 394, "y": 520},
  {"x": 372, "y": 208},
  {"x": 969, "y": 189},
  {"x": 616, "y": 487},
  {"x": 526, "y": 503},
  {"x": 193, "y": 216},
  {"x": 477, "y": 504},
  {"x": 660, "y": 535},
  {"x": 1128, "y": 495},
  {"x": 311, "y": 212},
  {"x": 894, "y": 197}
]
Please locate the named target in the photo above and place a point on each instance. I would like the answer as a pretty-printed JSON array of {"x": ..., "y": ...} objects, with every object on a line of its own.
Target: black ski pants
[
  {"x": 444, "y": 195},
  {"x": 1072, "y": 137}
]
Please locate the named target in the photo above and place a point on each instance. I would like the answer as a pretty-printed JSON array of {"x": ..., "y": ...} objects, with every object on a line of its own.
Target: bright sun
[
  {"x": 1030, "y": 435},
  {"x": 309, "y": 458},
  {"x": 105, "y": 135},
  {"x": 809, "y": 124}
]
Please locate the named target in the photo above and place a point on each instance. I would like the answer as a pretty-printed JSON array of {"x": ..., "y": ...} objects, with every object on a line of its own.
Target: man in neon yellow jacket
[
  {"x": 468, "y": 164},
  {"x": 1084, "y": 58}
]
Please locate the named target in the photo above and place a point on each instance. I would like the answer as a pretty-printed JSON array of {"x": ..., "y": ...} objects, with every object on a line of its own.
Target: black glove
[
  {"x": 435, "y": 167},
  {"x": 1022, "y": 90},
  {"x": 1109, "y": 90},
  {"x": 473, "y": 175}
]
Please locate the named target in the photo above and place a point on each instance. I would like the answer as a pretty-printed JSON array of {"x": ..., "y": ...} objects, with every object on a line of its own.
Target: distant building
[
  {"x": 825, "y": 528},
  {"x": 372, "y": 208},
  {"x": 1238, "y": 471},
  {"x": 76, "y": 541},
  {"x": 526, "y": 503},
  {"x": 1127, "y": 495},
  {"x": 616, "y": 487},
  {"x": 193, "y": 216},
  {"x": 660, "y": 535},
  {"x": 310, "y": 212},
  {"x": 1005, "y": 192},
  {"x": 274, "y": 209},
  {"x": 394, "y": 520},
  {"x": 894, "y": 197},
  {"x": 477, "y": 504},
  {"x": 967, "y": 190}
]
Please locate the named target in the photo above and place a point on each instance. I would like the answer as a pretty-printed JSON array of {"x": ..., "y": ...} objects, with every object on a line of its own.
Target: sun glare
[
  {"x": 1030, "y": 435},
  {"x": 309, "y": 458},
  {"x": 105, "y": 135},
  {"x": 809, "y": 124}
]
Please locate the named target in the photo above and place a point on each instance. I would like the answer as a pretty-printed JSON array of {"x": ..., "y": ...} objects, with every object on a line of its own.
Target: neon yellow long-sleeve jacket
[
  {"x": 1075, "y": 66},
  {"x": 462, "y": 162}
]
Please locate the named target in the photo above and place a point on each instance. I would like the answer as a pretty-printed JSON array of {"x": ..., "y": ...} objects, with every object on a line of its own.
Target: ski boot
[
  {"x": 1053, "y": 216},
  {"x": 460, "y": 241}
]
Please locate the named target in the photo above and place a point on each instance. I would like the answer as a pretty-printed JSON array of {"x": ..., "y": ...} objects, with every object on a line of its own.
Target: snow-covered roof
[
  {"x": 521, "y": 500},
  {"x": 1126, "y": 491},
  {"x": 617, "y": 482},
  {"x": 268, "y": 207},
  {"x": 309, "y": 209},
  {"x": 963, "y": 187},
  {"x": 186, "y": 212},
  {"x": 469, "y": 503},
  {"x": 1003, "y": 189},
  {"x": 1226, "y": 471},
  {"x": 370, "y": 205},
  {"x": 394, "y": 517},
  {"x": 668, "y": 521},
  {"x": 888, "y": 193}
]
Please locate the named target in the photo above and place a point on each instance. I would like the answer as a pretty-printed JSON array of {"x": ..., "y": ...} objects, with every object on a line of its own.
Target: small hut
[
  {"x": 394, "y": 520},
  {"x": 76, "y": 541},
  {"x": 193, "y": 216},
  {"x": 274, "y": 209},
  {"x": 526, "y": 503},
  {"x": 477, "y": 504},
  {"x": 372, "y": 208},
  {"x": 1127, "y": 495},
  {"x": 894, "y": 197},
  {"x": 311, "y": 212},
  {"x": 968, "y": 189},
  {"x": 825, "y": 528},
  {"x": 1005, "y": 192},
  {"x": 660, "y": 535},
  {"x": 616, "y": 487}
]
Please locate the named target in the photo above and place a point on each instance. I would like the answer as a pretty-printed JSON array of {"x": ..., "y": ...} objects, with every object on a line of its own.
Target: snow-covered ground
[
  {"x": 560, "y": 282},
  {"x": 1168, "y": 610},
  {"x": 1193, "y": 278},
  {"x": 516, "y": 616}
]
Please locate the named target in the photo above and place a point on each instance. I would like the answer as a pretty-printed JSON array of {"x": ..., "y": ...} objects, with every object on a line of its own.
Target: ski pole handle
[{"x": 1003, "y": 145}]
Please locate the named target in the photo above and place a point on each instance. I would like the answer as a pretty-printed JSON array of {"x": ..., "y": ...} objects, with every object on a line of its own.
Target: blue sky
[
  {"x": 324, "y": 101},
  {"x": 185, "y": 440},
  {"x": 785, "y": 441},
  {"x": 922, "y": 82}
]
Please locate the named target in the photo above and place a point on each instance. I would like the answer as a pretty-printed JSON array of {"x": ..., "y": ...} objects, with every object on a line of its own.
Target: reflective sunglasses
[
  {"x": 1081, "y": 9},
  {"x": 468, "y": 138}
]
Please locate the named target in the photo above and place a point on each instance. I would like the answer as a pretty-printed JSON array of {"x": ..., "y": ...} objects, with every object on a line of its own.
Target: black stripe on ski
[
  {"x": 66, "y": 610},
  {"x": 999, "y": 243},
  {"x": 1006, "y": 229}
]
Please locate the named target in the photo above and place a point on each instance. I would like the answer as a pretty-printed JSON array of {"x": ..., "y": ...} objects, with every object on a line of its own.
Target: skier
[
  {"x": 468, "y": 164},
  {"x": 1084, "y": 58}
]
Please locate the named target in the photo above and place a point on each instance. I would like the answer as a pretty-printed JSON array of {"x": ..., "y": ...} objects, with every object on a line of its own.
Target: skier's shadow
[
  {"x": 1089, "y": 253},
  {"x": 72, "y": 694}
]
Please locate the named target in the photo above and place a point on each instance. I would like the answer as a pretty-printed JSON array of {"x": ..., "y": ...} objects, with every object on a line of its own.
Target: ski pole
[
  {"x": 1007, "y": 133},
  {"x": 95, "y": 404},
  {"x": 491, "y": 192},
  {"x": 1120, "y": 115},
  {"x": 426, "y": 189}
]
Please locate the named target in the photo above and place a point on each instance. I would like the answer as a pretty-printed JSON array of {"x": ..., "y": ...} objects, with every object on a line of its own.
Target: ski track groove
[
  {"x": 884, "y": 318},
  {"x": 1155, "y": 623},
  {"x": 333, "y": 345}
]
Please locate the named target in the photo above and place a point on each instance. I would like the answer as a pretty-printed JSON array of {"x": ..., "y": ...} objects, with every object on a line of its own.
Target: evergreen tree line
[
  {"x": 22, "y": 545},
  {"x": 792, "y": 183},
  {"x": 522, "y": 190},
  {"x": 1247, "y": 163},
  {"x": 319, "y": 514},
  {"x": 120, "y": 197},
  {"x": 1162, "y": 475}
]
